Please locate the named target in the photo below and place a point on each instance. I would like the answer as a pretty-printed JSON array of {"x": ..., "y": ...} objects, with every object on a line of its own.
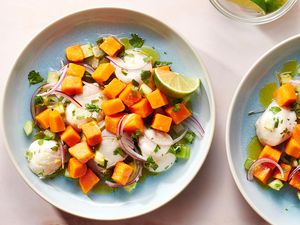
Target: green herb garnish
[
  {"x": 119, "y": 151},
  {"x": 38, "y": 100},
  {"x": 54, "y": 148},
  {"x": 28, "y": 155},
  {"x": 134, "y": 90},
  {"x": 41, "y": 141},
  {"x": 145, "y": 76},
  {"x": 34, "y": 77},
  {"x": 156, "y": 148},
  {"x": 92, "y": 107},
  {"x": 275, "y": 110},
  {"x": 151, "y": 163},
  {"x": 189, "y": 137},
  {"x": 136, "y": 41},
  {"x": 124, "y": 72},
  {"x": 136, "y": 134},
  {"x": 176, "y": 107},
  {"x": 162, "y": 63}
]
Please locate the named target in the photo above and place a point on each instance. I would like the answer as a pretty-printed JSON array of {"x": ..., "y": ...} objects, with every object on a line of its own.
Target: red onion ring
[
  {"x": 293, "y": 173},
  {"x": 135, "y": 176},
  {"x": 260, "y": 161},
  {"x": 99, "y": 171},
  {"x": 126, "y": 143},
  {"x": 192, "y": 122},
  {"x": 68, "y": 97},
  {"x": 121, "y": 64},
  {"x": 63, "y": 72},
  {"x": 161, "y": 143},
  {"x": 88, "y": 68}
]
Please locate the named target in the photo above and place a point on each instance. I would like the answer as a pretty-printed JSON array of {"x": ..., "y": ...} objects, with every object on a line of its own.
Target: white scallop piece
[
  {"x": 42, "y": 159},
  {"x": 275, "y": 127},
  {"x": 107, "y": 147}
]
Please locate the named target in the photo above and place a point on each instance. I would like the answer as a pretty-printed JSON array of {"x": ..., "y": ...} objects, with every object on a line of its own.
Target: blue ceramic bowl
[
  {"x": 281, "y": 207},
  {"x": 44, "y": 52}
]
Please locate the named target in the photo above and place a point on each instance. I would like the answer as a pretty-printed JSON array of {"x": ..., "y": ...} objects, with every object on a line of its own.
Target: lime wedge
[
  {"x": 256, "y": 5},
  {"x": 174, "y": 84},
  {"x": 273, "y": 5}
]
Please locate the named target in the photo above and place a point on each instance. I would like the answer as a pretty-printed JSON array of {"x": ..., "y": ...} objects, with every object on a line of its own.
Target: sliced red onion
[
  {"x": 195, "y": 125},
  {"x": 32, "y": 105},
  {"x": 121, "y": 64},
  {"x": 125, "y": 142},
  {"x": 166, "y": 143},
  {"x": 98, "y": 170},
  {"x": 135, "y": 176},
  {"x": 88, "y": 68},
  {"x": 294, "y": 82},
  {"x": 261, "y": 161},
  {"x": 71, "y": 99},
  {"x": 293, "y": 173},
  {"x": 61, "y": 79}
]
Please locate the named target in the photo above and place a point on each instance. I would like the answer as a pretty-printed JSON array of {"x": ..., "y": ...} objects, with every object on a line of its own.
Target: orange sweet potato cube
[
  {"x": 74, "y": 53},
  {"x": 142, "y": 108},
  {"x": 111, "y": 122},
  {"x": 130, "y": 95},
  {"x": 43, "y": 119},
  {"x": 161, "y": 122},
  {"x": 111, "y": 46},
  {"x": 70, "y": 136},
  {"x": 293, "y": 148},
  {"x": 133, "y": 122},
  {"x": 296, "y": 133},
  {"x": 103, "y": 72},
  {"x": 157, "y": 99},
  {"x": 88, "y": 181},
  {"x": 112, "y": 106},
  {"x": 178, "y": 113},
  {"x": 72, "y": 85},
  {"x": 286, "y": 171},
  {"x": 76, "y": 169},
  {"x": 75, "y": 70},
  {"x": 295, "y": 181},
  {"x": 114, "y": 88},
  {"x": 262, "y": 173},
  {"x": 122, "y": 173},
  {"x": 82, "y": 152},
  {"x": 92, "y": 133},
  {"x": 285, "y": 95},
  {"x": 56, "y": 122}
]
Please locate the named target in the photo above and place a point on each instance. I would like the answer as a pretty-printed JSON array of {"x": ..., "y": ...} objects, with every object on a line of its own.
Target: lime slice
[
  {"x": 256, "y": 5},
  {"x": 273, "y": 5},
  {"x": 174, "y": 84}
]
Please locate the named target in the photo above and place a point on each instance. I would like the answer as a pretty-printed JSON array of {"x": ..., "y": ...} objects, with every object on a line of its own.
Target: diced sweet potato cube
[
  {"x": 262, "y": 173},
  {"x": 295, "y": 181},
  {"x": 114, "y": 88},
  {"x": 130, "y": 95},
  {"x": 293, "y": 148},
  {"x": 43, "y": 119},
  {"x": 72, "y": 85},
  {"x": 161, "y": 122},
  {"x": 285, "y": 95},
  {"x": 167, "y": 68},
  {"x": 103, "y": 72},
  {"x": 76, "y": 169},
  {"x": 70, "y": 136},
  {"x": 92, "y": 133},
  {"x": 111, "y": 122},
  {"x": 82, "y": 152},
  {"x": 112, "y": 106},
  {"x": 142, "y": 108},
  {"x": 157, "y": 99},
  {"x": 111, "y": 46},
  {"x": 88, "y": 181},
  {"x": 133, "y": 122},
  {"x": 296, "y": 133},
  {"x": 75, "y": 70},
  {"x": 178, "y": 113},
  {"x": 122, "y": 173},
  {"x": 286, "y": 170},
  {"x": 74, "y": 53},
  {"x": 56, "y": 122}
]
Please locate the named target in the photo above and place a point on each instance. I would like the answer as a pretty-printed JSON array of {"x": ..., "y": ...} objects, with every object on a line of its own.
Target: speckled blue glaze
[
  {"x": 45, "y": 52},
  {"x": 281, "y": 207}
]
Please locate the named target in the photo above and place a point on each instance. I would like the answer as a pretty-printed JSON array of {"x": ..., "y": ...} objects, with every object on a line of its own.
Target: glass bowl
[{"x": 237, "y": 13}]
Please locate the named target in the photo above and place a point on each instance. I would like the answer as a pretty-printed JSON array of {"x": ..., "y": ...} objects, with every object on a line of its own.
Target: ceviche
[
  {"x": 274, "y": 154},
  {"x": 111, "y": 113}
]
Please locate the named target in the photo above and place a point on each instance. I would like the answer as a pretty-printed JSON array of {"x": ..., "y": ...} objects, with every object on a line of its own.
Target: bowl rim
[
  {"x": 230, "y": 116},
  {"x": 209, "y": 91},
  {"x": 255, "y": 20}
]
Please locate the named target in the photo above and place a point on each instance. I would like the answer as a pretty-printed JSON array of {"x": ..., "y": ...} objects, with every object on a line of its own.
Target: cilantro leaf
[
  {"x": 145, "y": 76},
  {"x": 119, "y": 151},
  {"x": 151, "y": 163},
  {"x": 38, "y": 100},
  {"x": 92, "y": 107},
  {"x": 136, "y": 41},
  {"x": 161, "y": 63},
  {"x": 176, "y": 108},
  {"x": 34, "y": 77},
  {"x": 275, "y": 110}
]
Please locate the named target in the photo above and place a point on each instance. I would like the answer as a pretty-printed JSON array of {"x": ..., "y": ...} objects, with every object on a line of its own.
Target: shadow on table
[{"x": 203, "y": 200}]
